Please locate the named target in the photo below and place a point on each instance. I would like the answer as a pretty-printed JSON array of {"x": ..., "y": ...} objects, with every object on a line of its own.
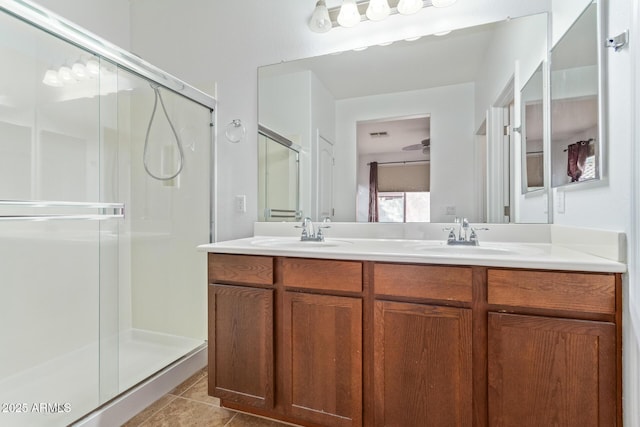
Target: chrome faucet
[
  {"x": 466, "y": 234},
  {"x": 309, "y": 233}
]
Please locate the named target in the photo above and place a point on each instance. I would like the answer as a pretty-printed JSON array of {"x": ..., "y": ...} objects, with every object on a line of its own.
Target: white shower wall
[{"x": 162, "y": 283}]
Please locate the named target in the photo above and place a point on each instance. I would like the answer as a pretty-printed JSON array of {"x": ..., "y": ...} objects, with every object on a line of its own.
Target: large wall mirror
[
  {"x": 577, "y": 127},
  {"x": 432, "y": 108}
]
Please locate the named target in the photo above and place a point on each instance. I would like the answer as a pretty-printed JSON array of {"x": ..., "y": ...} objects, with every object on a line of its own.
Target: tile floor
[{"x": 189, "y": 405}]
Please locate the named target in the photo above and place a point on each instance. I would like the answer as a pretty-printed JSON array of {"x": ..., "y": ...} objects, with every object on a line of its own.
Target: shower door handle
[{"x": 31, "y": 210}]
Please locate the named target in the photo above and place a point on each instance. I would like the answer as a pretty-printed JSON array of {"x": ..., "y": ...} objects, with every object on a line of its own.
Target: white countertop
[{"x": 529, "y": 255}]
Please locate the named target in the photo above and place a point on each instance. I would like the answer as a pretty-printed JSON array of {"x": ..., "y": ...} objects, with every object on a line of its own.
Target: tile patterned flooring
[{"x": 189, "y": 405}]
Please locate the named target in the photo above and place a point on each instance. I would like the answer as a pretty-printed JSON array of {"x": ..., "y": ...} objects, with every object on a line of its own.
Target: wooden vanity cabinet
[
  {"x": 322, "y": 366},
  {"x": 241, "y": 330},
  {"x": 322, "y": 340},
  {"x": 422, "y": 351},
  {"x": 552, "y": 354},
  {"x": 241, "y": 353},
  {"x": 332, "y": 343},
  {"x": 286, "y": 338}
]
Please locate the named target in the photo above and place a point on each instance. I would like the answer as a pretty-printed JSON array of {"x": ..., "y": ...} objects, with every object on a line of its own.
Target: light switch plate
[{"x": 241, "y": 203}]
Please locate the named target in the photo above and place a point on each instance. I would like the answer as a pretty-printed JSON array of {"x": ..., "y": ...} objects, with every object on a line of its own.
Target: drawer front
[
  {"x": 326, "y": 275},
  {"x": 593, "y": 293},
  {"x": 423, "y": 281},
  {"x": 241, "y": 269}
]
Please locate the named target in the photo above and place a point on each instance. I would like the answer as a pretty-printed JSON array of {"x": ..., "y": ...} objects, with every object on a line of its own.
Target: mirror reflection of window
[
  {"x": 575, "y": 123},
  {"x": 400, "y": 148},
  {"x": 404, "y": 207}
]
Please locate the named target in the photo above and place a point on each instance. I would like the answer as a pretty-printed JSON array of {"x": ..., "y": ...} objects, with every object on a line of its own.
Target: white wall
[
  {"x": 107, "y": 19},
  {"x": 323, "y": 123},
  {"x": 522, "y": 40},
  {"x": 452, "y": 152}
]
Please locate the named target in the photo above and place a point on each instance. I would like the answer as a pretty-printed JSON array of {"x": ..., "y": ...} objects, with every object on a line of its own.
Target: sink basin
[
  {"x": 296, "y": 243},
  {"x": 439, "y": 248},
  {"x": 464, "y": 250}
]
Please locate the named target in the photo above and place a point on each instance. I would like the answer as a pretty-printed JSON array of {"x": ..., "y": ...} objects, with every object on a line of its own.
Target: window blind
[{"x": 404, "y": 177}]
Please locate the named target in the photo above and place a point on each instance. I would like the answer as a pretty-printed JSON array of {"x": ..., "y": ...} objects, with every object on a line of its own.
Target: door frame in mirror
[{"x": 542, "y": 68}]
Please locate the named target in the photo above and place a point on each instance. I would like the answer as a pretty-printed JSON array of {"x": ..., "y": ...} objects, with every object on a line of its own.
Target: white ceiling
[{"x": 401, "y": 132}]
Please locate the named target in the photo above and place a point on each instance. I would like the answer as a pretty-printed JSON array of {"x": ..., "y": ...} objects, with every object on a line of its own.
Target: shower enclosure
[{"x": 100, "y": 282}]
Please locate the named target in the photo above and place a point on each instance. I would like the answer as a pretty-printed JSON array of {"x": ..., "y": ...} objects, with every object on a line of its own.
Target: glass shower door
[{"x": 59, "y": 230}]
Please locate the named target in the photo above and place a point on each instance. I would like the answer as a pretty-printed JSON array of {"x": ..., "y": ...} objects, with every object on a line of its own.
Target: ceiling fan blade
[{"x": 412, "y": 147}]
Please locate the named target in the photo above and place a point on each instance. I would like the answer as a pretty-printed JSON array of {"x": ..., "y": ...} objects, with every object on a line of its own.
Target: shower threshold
[{"x": 62, "y": 390}]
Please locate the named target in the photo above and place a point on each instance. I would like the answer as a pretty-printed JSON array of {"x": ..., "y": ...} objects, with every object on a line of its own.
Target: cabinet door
[
  {"x": 323, "y": 358},
  {"x": 241, "y": 345},
  {"x": 551, "y": 372},
  {"x": 422, "y": 359}
]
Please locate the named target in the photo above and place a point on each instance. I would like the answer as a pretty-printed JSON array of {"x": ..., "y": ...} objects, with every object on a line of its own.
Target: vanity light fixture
[
  {"x": 66, "y": 75},
  {"x": 320, "y": 21},
  {"x": 79, "y": 71},
  {"x": 93, "y": 67},
  {"x": 409, "y": 7},
  {"x": 350, "y": 13},
  {"x": 51, "y": 78},
  {"x": 378, "y": 10}
]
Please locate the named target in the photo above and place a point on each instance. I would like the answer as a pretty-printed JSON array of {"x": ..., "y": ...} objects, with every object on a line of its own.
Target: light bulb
[
  {"x": 407, "y": 7},
  {"x": 320, "y": 21},
  {"x": 64, "y": 73},
  {"x": 378, "y": 10},
  {"x": 349, "y": 15},
  {"x": 93, "y": 67},
  {"x": 51, "y": 78},
  {"x": 79, "y": 71},
  {"x": 442, "y": 3}
]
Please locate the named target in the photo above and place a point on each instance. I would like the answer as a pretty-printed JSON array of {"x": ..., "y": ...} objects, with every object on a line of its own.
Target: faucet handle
[
  {"x": 473, "y": 237},
  {"x": 452, "y": 235},
  {"x": 320, "y": 234}
]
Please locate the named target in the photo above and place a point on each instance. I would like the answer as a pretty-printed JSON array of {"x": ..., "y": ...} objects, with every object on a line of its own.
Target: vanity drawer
[
  {"x": 423, "y": 281},
  {"x": 326, "y": 275},
  {"x": 584, "y": 292},
  {"x": 249, "y": 269}
]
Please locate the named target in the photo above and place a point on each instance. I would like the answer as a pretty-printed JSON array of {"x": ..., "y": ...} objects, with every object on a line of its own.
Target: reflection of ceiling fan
[{"x": 424, "y": 145}]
